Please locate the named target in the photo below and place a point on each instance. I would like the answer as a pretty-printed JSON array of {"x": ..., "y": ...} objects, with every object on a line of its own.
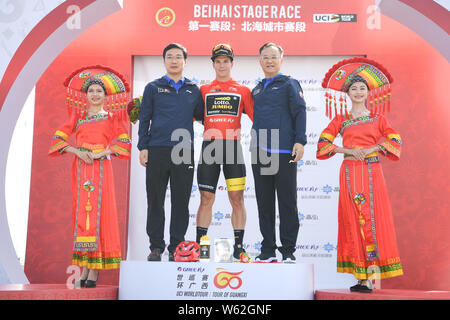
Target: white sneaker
[
  {"x": 288, "y": 258},
  {"x": 264, "y": 257}
]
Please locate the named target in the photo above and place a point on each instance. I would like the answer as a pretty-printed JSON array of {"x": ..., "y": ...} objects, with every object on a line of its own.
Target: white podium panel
[{"x": 142, "y": 280}]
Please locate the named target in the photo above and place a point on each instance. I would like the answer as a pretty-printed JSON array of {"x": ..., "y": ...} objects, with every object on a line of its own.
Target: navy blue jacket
[
  {"x": 168, "y": 110},
  {"x": 279, "y": 106}
]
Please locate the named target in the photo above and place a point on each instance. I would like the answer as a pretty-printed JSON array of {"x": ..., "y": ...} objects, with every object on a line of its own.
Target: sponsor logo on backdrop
[
  {"x": 225, "y": 279},
  {"x": 333, "y": 18},
  {"x": 307, "y": 218},
  {"x": 306, "y": 163},
  {"x": 328, "y": 247},
  {"x": 165, "y": 17},
  {"x": 218, "y": 215},
  {"x": 193, "y": 191},
  {"x": 327, "y": 189},
  {"x": 316, "y": 250},
  {"x": 312, "y": 137},
  {"x": 317, "y": 192}
]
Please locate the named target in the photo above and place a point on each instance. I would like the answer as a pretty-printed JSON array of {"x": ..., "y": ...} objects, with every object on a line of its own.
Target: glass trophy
[{"x": 223, "y": 250}]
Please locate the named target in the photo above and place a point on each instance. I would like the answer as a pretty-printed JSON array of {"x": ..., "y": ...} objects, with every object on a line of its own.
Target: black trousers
[
  {"x": 160, "y": 169},
  {"x": 282, "y": 183}
]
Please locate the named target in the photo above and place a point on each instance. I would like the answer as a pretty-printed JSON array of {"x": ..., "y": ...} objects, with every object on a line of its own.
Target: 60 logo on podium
[{"x": 225, "y": 279}]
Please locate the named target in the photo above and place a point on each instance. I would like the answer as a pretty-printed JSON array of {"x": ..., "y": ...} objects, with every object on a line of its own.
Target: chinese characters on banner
[{"x": 247, "y": 18}]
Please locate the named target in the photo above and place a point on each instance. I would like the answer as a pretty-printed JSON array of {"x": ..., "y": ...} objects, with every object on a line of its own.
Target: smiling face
[
  {"x": 222, "y": 65},
  {"x": 270, "y": 61},
  {"x": 96, "y": 95},
  {"x": 358, "y": 92},
  {"x": 174, "y": 62}
]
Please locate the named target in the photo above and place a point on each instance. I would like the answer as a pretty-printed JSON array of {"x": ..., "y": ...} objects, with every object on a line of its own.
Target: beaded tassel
[
  {"x": 372, "y": 113},
  {"x": 335, "y": 105},
  {"x": 345, "y": 106},
  {"x": 389, "y": 98}
]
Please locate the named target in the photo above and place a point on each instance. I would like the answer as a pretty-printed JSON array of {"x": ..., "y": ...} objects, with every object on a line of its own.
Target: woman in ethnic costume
[
  {"x": 97, "y": 99},
  {"x": 366, "y": 237}
]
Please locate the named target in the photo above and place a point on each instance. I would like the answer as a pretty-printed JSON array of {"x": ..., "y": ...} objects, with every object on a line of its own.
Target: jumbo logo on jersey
[{"x": 222, "y": 104}]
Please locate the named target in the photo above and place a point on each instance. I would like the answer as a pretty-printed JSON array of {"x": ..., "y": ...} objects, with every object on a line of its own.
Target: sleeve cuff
[
  {"x": 391, "y": 150},
  {"x": 325, "y": 151},
  {"x": 58, "y": 146}
]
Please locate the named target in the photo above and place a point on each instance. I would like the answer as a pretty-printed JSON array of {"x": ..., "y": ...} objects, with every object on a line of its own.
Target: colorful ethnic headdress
[
  {"x": 343, "y": 74},
  {"x": 116, "y": 87}
]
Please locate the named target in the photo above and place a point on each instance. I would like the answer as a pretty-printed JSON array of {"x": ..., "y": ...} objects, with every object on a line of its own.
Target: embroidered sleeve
[
  {"x": 392, "y": 146},
  {"x": 325, "y": 145},
  {"x": 122, "y": 146},
  {"x": 60, "y": 138}
]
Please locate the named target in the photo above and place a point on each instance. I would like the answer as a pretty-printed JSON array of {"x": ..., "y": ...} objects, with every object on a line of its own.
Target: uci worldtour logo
[
  {"x": 333, "y": 18},
  {"x": 165, "y": 17}
]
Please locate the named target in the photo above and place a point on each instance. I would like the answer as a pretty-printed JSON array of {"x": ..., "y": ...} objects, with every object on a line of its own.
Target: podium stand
[{"x": 142, "y": 280}]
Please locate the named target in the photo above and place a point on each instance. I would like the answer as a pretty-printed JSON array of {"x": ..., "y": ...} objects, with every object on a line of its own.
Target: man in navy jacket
[
  {"x": 278, "y": 139},
  {"x": 169, "y": 105}
]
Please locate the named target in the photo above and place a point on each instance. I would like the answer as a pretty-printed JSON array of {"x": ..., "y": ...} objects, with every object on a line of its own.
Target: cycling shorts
[{"x": 217, "y": 153}]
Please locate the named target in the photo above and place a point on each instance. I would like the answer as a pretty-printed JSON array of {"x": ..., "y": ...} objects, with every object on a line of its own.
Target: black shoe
[
  {"x": 361, "y": 288},
  {"x": 155, "y": 255},
  {"x": 288, "y": 258},
  {"x": 266, "y": 257},
  {"x": 367, "y": 288},
  {"x": 171, "y": 256},
  {"x": 92, "y": 283},
  {"x": 356, "y": 287},
  {"x": 237, "y": 252}
]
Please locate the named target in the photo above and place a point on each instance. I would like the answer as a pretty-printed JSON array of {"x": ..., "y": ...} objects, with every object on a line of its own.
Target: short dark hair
[
  {"x": 271, "y": 44},
  {"x": 177, "y": 46}
]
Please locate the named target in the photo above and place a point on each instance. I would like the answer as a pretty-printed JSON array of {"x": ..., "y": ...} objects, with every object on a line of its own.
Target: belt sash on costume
[
  {"x": 89, "y": 202},
  {"x": 366, "y": 222}
]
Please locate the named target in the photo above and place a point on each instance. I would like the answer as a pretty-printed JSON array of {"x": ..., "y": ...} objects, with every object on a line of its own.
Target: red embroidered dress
[
  {"x": 366, "y": 235},
  {"x": 95, "y": 226}
]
